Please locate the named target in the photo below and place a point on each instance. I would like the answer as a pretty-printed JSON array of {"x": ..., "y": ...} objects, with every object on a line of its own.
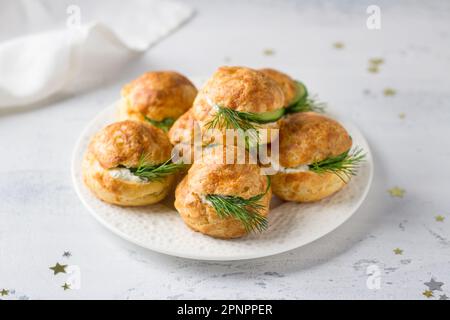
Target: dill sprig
[
  {"x": 311, "y": 104},
  {"x": 164, "y": 124},
  {"x": 304, "y": 102},
  {"x": 156, "y": 172},
  {"x": 247, "y": 211},
  {"x": 226, "y": 118},
  {"x": 343, "y": 165}
]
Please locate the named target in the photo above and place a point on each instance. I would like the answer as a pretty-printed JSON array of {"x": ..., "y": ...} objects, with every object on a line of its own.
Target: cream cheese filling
[
  {"x": 126, "y": 175},
  {"x": 300, "y": 168},
  {"x": 204, "y": 200}
]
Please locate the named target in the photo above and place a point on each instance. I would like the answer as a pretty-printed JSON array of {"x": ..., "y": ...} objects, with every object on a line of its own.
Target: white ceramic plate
[{"x": 159, "y": 228}]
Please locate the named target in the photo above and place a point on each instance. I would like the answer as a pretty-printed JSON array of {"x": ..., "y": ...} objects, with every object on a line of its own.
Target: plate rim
[{"x": 272, "y": 252}]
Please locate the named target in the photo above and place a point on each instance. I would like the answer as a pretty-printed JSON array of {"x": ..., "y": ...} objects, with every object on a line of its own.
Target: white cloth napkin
[{"x": 53, "y": 46}]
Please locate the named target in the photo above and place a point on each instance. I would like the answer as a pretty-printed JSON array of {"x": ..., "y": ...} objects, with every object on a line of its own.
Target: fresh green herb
[
  {"x": 305, "y": 103},
  {"x": 156, "y": 172},
  {"x": 164, "y": 124},
  {"x": 226, "y": 118},
  {"x": 247, "y": 211},
  {"x": 343, "y": 165},
  {"x": 311, "y": 104}
]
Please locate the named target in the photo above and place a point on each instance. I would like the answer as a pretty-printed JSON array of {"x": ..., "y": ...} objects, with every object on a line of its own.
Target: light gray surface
[{"x": 40, "y": 215}]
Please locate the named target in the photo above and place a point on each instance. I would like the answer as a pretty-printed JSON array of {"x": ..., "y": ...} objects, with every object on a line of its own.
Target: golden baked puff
[
  {"x": 158, "y": 97},
  {"x": 315, "y": 158},
  {"x": 223, "y": 200},
  {"x": 240, "y": 98},
  {"x": 296, "y": 94},
  {"x": 183, "y": 129},
  {"x": 128, "y": 163},
  {"x": 286, "y": 83},
  {"x": 182, "y": 136}
]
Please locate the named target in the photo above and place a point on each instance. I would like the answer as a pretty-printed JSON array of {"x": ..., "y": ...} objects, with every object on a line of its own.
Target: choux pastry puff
[
  {"x": 315, "y": 158},
  {"x": 128, "y": 163},
  {"x": 223, "y": 200},
  {"x": 239, "y": 98},
  {"x": 158, "y": 97}
]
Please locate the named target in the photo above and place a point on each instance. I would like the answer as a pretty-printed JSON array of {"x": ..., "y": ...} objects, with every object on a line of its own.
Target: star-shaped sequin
[
  {"x": 428, "y": 293},
  {"x": 398, "y": 251},
  {"x": 67, "y": 254},
  {"x": 338, "y": 45},
  {"x": 59, "y": 268},
  {"x": 373, "y": 69},
  {"x": 376, "y": 61},
  {"x": 439, "y": 218},
  {"x": 389, "y": 92},
  {"x": 434, "y": 285},
  {"x": 443, "y": 297},
  {"x": 65, "y": 286},
  {"x": 4, "y": 292},
  {"x": 397, "y": 192},
  {"x": 268, "y": 52},
  {"x": 374, "y": 64}
]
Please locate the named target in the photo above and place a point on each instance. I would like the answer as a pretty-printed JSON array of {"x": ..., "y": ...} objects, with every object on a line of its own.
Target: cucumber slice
[
  {"x": 264, "y": 117},
  {"x": 300, "y": 99},
  {"x": 302, "y": 93},
  {"x": 164, "y": 124}
]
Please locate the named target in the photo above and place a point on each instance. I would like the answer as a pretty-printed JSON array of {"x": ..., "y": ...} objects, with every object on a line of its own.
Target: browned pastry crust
[
  {"x": 208, "y": 177},
  {"x": 122, "y": 192},
  {"x": 306, "y": 138},
  {"x": 241, "y": 89},
  {"x": 182, "y": 130},
  {"x": 286, "y": 83},
  {"x": 157, "y": 95},
  {"x": 122, "y": 144},
  {"x": 305, "y": 186}
]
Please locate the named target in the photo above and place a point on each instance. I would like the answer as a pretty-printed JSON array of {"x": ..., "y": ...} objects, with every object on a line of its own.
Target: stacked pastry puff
[{"x": 130, "y": 163}]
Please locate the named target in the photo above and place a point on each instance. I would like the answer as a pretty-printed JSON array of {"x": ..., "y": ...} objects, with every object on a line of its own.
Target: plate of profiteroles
[{"x": 159, "y": 169}]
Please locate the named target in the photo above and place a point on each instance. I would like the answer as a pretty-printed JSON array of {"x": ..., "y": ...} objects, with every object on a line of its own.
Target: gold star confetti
[
  {"x": 376, "y": 61},
  {"x": 397, "y": 192},
  {"x": 373, "y": 69},
  {"x": 374, "y": 65},
  {"x": 59, "y": 268},
  {"x": 389, "y": 92},
  {"x": 269, "y": 52},
  {"x": 402, "y": 115},
  {"x": 428, "y": 293},
  {"x": 338, "y": 45},
  {"x": 439, "y": 218},
  {"x": 398, "y": 251},
  {"x": 4, "y": 292},
  {"x": 65, "y": 286}
]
